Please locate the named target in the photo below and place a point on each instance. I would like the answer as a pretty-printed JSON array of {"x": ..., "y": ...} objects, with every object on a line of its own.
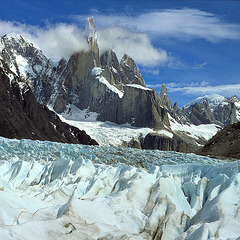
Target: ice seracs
[{"x": 51, "y": 190}]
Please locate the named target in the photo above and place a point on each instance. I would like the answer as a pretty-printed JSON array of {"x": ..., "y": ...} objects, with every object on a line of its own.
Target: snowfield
[
  {"x": 112, "y": 134},
  {"x": 64, "y": 191}
]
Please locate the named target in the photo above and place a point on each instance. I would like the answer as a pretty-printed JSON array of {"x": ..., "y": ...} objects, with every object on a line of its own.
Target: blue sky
[{"x": 191, "y": 46}]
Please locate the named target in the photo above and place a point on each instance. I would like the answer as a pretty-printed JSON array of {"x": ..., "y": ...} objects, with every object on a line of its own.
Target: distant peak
[
  {"x": 164, "y": 87},
  {"x": 213, "y": 100},
  {"x": 164, "y": 97},
  {"x": 234, "y": 99}
]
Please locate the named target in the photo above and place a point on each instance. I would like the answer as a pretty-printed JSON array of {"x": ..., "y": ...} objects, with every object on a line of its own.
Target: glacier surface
[{"x": 65, "y": 191}]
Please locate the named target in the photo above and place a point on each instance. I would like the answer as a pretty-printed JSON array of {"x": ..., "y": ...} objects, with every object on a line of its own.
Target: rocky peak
[
  {"x": 164, "y": 97},
  {"x": 15, "y": 40},
  {"x": 129, "y": 66},
  {"x": 91, "y": 34},
  {"x": 29, "y": 63},
  {"x": 91, "y": 30},
  {"x": 109, "y": 58},
  {"x": 234, "y": 99},
  {"x": 175, "y": 107}
]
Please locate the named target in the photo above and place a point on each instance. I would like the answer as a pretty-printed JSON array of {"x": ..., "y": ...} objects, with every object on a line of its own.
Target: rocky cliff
[
  {"x": 23, "y": 117},
  {"x": 115, "y": 90},
  {"x": 225, "y": 143}
]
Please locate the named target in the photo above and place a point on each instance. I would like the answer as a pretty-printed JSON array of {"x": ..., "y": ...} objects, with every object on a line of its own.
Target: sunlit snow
[
  {"x": 213, "y": 100},
  {"x": 205, "y": 131},
  {"x": 112, "y": 134},
  {"x": 105, "y": 133},
  {"x": 138, "y": 86},
  {"x": 97, "y": 72}
]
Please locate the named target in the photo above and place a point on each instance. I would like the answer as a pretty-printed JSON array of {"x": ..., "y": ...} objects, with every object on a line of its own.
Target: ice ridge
[{"x": 63, "y": 191}]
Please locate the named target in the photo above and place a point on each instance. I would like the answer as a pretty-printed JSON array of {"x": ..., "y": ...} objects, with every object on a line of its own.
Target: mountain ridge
[{"x": 114, "y": 90}]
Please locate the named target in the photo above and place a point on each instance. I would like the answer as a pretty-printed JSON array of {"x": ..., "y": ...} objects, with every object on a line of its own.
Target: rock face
[
  {"x": 165, "y": 99},
  {"x": 116, "y": 91},
  {"x": 176, "y": 142},
  {"x": 23, "y": 117},
  {"x": 156, "y": 141},
  {"x": 225, "y": 143}
]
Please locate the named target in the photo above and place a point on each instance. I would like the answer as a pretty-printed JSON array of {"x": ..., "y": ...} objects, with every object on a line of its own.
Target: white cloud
[
  {"x": 183, "y": 24},
  {"x": 19, "y": 28},
  {"x": 61, "y": 40},
  {"x": 137, "y": 45},
  {"x": 56, "y": 41},
  {"x": 204, "y": 88}
]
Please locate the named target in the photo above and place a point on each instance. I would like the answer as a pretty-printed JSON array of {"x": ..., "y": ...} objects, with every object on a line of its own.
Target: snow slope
[
  {"x": 112, "y": 134},
  {"x": 61, "y": 191},
  {"x": 205, "y": 131},
  {"x": 105, "y": 133},
  {"x": 213, "y": 100}
]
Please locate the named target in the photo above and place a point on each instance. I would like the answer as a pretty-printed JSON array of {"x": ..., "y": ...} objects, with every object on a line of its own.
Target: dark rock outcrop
[
  {"x": 23, "y": 117},
  {"x": 226, "y": 143},
  {"x": 175, "y": 143},
  {"x": 200, "y": 113}
]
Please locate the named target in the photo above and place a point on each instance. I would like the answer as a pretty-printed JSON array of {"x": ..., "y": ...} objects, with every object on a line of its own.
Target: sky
[{"x": 191, "y": 46}]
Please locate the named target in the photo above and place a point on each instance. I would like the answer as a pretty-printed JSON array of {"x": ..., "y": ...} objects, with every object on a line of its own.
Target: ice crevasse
[{"x": 81, "y": 198}]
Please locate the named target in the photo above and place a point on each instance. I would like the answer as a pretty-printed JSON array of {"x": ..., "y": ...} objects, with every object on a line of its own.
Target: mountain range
[{"x": 99, "y": 83}]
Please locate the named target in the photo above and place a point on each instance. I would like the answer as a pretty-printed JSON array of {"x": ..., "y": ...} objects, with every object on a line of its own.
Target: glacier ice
[{"x": 64, "y": 191}]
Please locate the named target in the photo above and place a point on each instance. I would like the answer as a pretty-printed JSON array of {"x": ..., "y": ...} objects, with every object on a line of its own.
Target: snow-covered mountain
[
  {"x": 213, "y": 100},
  {"x": 114, "y": 91},
  {"x": 23, "y": 117},
  {"x": 213, "y": 109},
  {"x": 61, "y": 191},
  {"x": 29, "y": 63}
]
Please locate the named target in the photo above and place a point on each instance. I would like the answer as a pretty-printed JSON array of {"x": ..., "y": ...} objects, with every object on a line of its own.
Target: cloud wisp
[
  {"x": 184, "y": 24},
  {"x": 203, "y": 88}
]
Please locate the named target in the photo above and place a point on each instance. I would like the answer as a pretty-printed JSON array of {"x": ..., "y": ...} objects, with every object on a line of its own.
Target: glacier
[{"x": 64, "y": 191}]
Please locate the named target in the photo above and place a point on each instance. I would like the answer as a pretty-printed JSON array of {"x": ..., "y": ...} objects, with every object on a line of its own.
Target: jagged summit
[
  {"x": 128, "y": 62},
  {"x": 29, "y": 63},
  {"x": 91, "y": 35},
  {"x": 165, "y": 98},
  {"x": 16, "y": 38},
  {"x": 234, "y": 99}
]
